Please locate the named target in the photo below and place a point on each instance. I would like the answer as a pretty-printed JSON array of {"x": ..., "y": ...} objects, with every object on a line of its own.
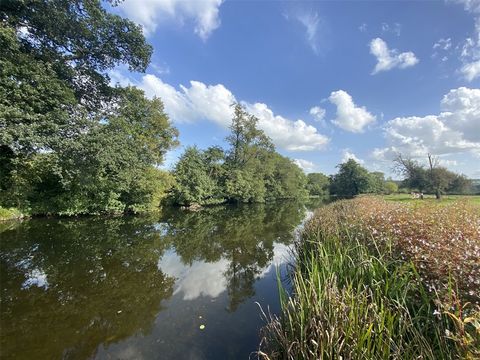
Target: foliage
[
  {"x": 111, "y": 168},
  {"x": 376, "y": 182},
  {"x": 69, "y": 142},
  {"x": 249, "y": 171},
  {"x": 318, "y": 184},
  {"x": 390, "y": 187},
  {"x": 79, "y": 40},
  {"x": 245, "y": 139},
  {"x": 9, "y": 213},
  {"x": 357, "y": 294},
  {"x": 352, "y": 179},
  {"x": 195, "y": 173},
  {"x": 436, "y": 179}
]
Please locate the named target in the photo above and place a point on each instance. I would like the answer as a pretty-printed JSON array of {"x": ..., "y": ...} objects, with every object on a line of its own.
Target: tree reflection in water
[{"x": 71, "y": 285}]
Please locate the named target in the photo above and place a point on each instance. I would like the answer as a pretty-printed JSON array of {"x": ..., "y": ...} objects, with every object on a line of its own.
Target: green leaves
[
  {"x": 69, "y": 142},
  {"x": 249, "y": 171}
]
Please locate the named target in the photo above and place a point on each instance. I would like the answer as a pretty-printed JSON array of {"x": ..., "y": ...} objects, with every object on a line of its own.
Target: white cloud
[
  {"x": 363, "y": 27},
  {"x": 349, "y": 116},
  {"x": 318, "y": 113},
  {"x": 311, "y": 22},
  {"x": 470, "y": 53},
  {"x": 150, "y": 13},
  {"x": 455, "y": 130},
  {"x": 471, "y": 70},
  {"x": 285, "y": 133},
  {"x": 389, "y": 59},
  {"x": 189, "y": 104},
  {"x": 198, "y": 279},
  {"x": 395, "y": 28},
  {"x": 448, "y": 163},
  {"x": 36, "y": 277},
  {"x": 347, "y": 155},
  {"x": 208, "y": 278},
  {"x": 213, "y": 103},
  {"x": 305, "y": 165},
  {"x": 443, "y": 44}
]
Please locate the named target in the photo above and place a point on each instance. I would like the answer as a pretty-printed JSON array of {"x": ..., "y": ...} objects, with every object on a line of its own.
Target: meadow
[
  {"x": 379, "y": 279},
  {"x": 474, "y": 199}
]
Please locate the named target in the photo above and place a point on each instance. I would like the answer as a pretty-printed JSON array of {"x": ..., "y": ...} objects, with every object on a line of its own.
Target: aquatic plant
[{"x": 378, "y": 280}]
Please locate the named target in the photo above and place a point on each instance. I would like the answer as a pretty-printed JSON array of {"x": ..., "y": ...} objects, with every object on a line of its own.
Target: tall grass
[{"x": 354, "y": 297}]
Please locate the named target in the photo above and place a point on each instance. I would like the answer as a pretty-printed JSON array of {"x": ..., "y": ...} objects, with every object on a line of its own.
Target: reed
[{"x": 357, "y": 294}]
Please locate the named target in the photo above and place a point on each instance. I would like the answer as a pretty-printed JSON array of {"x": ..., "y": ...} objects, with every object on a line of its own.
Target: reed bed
[{"x": 378, "y": 280}]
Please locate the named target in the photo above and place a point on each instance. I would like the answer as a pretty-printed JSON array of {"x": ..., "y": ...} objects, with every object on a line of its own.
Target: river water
[{"x": 180, "y": 285}]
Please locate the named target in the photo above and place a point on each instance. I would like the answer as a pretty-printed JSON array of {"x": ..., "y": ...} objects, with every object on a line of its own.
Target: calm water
[{"x": 140, "y": 287}]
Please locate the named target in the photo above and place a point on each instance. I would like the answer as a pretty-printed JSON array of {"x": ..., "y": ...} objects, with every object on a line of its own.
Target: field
[
  {"x": 378, "y": 279},
  {"x": 474, "y": 199}
]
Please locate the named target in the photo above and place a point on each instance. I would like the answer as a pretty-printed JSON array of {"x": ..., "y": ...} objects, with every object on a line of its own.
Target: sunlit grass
[
  {"x": 382, "y": 280},
  {"x": 473, "y": 199},
  {"x": 9, "y": 213}
]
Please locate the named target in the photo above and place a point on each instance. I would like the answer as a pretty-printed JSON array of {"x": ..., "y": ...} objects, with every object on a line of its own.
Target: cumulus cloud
[
  {"x": 388, "y": 59},
  {"x": 455, "y": 130},
  {"x": 199, "y": 101},
  {"x": 150, "y": 13},
  {"x": 347, "y": 155},
  {"x": 349, "y": 116},
  {"x": 287, "y": 134},
  {"x": 305, "y": 165}
]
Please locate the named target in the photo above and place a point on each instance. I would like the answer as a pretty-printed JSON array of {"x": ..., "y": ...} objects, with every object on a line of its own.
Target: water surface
[{"x": 141, "y": 287}]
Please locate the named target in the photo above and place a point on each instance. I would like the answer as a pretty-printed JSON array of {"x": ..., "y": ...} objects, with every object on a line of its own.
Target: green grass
[
  {"x": 9, "y": 214},
  {"x": 474, "y": 199}
]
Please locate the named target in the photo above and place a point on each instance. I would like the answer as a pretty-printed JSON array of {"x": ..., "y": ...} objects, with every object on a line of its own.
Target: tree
[
  {"x": 391, "y": 187},
  {"x": 79, "y": 40},
  {"x": 71, "y": 143},
  {"x": 249, "y": 171},
  {"x": 377, "y": 182},
  {"x": 245, "y": 139},
  {"x": 352, "y": 179},
  {"x": 317, "y": 184},
  {"x": 460, "y": 185},
  {"x": 436, "y": 179},
  {"x": 196, "y": 182},
  {"x": 415, "y": 176}
]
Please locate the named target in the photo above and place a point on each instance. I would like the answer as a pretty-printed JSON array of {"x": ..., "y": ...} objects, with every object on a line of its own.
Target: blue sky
[{"x": 328, "y": 80}]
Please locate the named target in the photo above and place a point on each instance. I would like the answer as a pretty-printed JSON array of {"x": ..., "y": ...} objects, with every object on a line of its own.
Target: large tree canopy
[
  {"x": 53, "y": 67},
  {"x": 69, "y": 142},
  {"x": 352, "y": 179}
]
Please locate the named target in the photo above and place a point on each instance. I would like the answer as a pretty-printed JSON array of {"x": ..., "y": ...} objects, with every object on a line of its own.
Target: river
[{"x": 180, "y": 285}]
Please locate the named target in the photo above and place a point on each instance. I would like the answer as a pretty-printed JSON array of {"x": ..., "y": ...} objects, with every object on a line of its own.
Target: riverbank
[{"x": 383, "y": 280}]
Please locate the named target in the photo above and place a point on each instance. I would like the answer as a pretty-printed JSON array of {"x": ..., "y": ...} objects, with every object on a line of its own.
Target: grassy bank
[
  {"x": 10, "y": 214},
  {"x": 382, "y": 280},
  {"x": 474, "y": 199}
]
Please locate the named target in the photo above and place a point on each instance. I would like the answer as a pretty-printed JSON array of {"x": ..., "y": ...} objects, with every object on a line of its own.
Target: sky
[{"x": 328, "y": 80}]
